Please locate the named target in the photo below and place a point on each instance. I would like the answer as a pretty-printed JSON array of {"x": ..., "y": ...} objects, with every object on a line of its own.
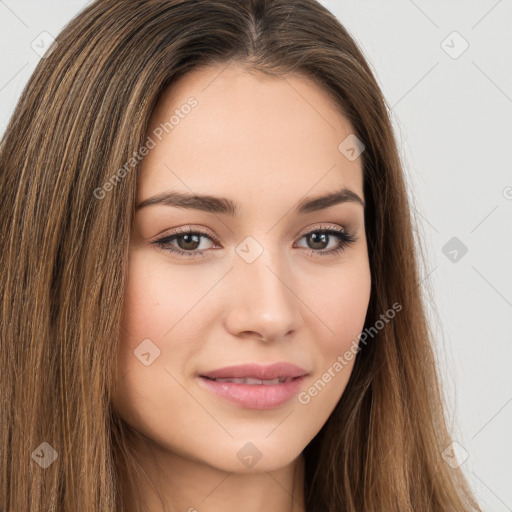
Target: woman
[{"x": 211, "y": 290}]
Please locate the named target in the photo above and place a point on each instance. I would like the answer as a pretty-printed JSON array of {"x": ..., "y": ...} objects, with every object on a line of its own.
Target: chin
[{"x": 253, "y": 455}]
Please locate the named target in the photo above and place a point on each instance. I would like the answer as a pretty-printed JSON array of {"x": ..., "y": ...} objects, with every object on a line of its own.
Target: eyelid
[
  {"x": 192, "y": 228},
  {"x": 346, "y": 238},
  {"x": 185, "y": 230},
  {"x": 321, "y": 227}
]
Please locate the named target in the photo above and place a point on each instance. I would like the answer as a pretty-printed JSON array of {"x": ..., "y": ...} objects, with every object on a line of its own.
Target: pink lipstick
[{"x": 254, "y": 386}]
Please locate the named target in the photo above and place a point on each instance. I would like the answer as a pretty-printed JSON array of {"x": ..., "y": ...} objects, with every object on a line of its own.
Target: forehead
[{"x": 220, "y": 129}]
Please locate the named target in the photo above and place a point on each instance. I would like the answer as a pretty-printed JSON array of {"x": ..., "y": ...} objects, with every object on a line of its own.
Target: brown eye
[
  {"x": 183, "y": 242},
  {"x": 189, "y": 242},
  {"x": 319, "y": 239}
]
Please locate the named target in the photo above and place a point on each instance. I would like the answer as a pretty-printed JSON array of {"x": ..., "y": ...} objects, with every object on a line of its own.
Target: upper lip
[{"x": 257, "y": 371}]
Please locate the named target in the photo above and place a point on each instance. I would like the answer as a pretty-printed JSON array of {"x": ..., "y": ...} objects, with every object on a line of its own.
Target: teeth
[{"x": 250, "y": 380}]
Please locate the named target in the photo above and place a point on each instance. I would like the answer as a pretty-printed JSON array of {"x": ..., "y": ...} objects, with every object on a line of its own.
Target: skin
[{"x": 264, "y": 143}]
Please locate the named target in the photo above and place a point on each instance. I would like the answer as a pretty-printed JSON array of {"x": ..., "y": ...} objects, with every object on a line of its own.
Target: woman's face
[{"x": 254, "y": 286}]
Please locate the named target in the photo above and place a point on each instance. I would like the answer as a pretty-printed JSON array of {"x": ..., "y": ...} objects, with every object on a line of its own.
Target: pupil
[
  {"x": 193, "y": 239},
  {"x": 316, "y": 236}
]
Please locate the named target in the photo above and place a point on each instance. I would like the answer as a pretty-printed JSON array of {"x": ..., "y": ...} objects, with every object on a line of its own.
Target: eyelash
[{"x": 345, "y": 238}]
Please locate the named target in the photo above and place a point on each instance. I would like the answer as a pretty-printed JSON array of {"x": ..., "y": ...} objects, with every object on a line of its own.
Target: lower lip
[{"x": 255, "y": 396}]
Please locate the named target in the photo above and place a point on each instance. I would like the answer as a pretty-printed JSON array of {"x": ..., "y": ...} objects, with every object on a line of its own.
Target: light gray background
[{"x": 453, "y": 120}]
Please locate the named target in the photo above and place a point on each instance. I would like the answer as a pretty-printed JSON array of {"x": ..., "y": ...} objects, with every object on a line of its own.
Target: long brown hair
[{"x": 64, "y": 251}]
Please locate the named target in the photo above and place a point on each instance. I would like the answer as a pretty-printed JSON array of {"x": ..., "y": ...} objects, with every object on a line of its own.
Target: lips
[
  {"x": 254, "y": 386},
  {"x": 281, "y": 370},
  {"x": 254, "y": 381}
]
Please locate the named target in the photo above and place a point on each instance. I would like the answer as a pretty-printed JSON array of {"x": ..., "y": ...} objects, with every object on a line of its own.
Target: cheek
[
  {"x": 141, "y": 355},
  {"x": 339, "y": 310},
  {"x": 161, "y": 330},
  {"x": 149, "y": 351},
  {"x": 157, "y": 296},
  {"x": 340, "y": 303}
]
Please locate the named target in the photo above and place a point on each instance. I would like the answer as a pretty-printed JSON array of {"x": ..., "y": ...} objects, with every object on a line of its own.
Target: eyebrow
[{"x": 221, "y": 205}]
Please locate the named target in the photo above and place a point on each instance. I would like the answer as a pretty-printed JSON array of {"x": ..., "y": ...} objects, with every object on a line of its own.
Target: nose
[{"x": 262, "y": 302}]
